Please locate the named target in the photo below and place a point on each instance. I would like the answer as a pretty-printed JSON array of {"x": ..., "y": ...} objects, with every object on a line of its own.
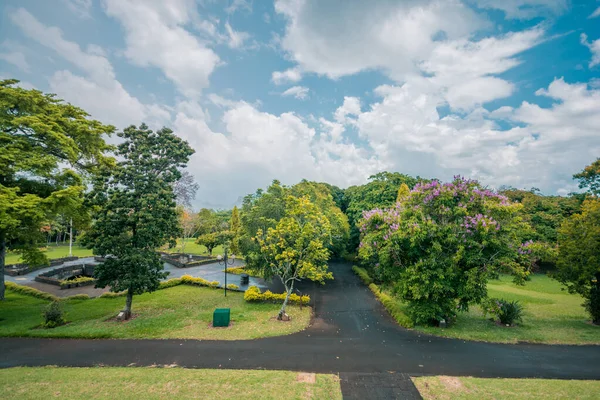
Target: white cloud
[
  {"x": 550, "y": 145},
  {"x": 594, "y": 47},
  {"x": 97, "y": 66},
  {"x": 237, "y": 5},
  {"x": 292, "y": 75},
  {"x": 81, "y": 8},
  {"x": 299, "y": 92},
  {"x": 236, "y": 39},
  {"x": 595, "y": 13},
  {"x": 99, "y": 93},
  {"x": 351, "y": 106},
  {"x": 525, "y": 9},
  {"x": 392, "y": 36},
  {"x": 17, "y": 59},
  {"x": 156, "y": 36}
]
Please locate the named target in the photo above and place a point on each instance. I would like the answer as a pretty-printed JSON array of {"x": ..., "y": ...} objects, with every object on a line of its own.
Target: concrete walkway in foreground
[
  {"x": 350, "y": 333},
  {"x": 210, "y": 272}
]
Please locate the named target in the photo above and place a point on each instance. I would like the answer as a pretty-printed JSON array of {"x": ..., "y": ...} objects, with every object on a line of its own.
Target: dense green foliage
[
  {"x": 439, "y": 246},
  {"x": 235, "y": 228},
  {"x": 589, "y": 178},
  {"x": 579, "y": 256},
  {"x": 504, "y": 311},
  {"x": 296, "y": 247},
  {"x": 381, "y": 191},
  {"x": 137, "y": 210},
  {"x": 53, "y": 315},
  {"x": 46, "y": 147}
]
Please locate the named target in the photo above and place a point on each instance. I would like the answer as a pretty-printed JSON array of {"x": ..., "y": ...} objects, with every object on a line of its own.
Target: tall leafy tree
[
  {"x": 579, "y": 256},
  {"x": 261, "y": 210},
  {"x": 137, "y": 210},
  {"x": 296, "y": 247},
  {"x": 235, "y": 227},
  {"x": 589, "y": 178},
  {"x": 380, "y": 191},
  {"x": 46, "y": 146},
  {"x": 320, "y": 195},
  {"x": 189, "y": 222},
  {"x": 441, "y": 244}
]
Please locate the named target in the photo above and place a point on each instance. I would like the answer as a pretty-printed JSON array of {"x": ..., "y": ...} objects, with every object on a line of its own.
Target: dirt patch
[
  {"x": 306, "y": 377},
  {"x": 114, "y": 319},
  {"x": 451, "y": 383},
  {"x": 279, "y": 320}
]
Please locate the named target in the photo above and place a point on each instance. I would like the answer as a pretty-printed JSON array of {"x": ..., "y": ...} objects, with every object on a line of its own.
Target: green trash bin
[{"x": 221, "y": 317}]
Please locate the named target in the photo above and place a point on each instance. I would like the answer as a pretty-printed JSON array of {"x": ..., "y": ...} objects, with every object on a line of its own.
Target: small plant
[
  {"x": 507, "y": 312},
  {"x": 233, "y": 286},
  {"x": 53, "y": 315}
]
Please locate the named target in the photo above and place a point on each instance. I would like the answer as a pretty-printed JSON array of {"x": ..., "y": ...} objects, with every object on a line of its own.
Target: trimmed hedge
[
  {"x": 78, "y": 297},
  {"x": 388, "y": 302},
  {"x": 29, "y": 291},
  {"x": 253, "y": 294},
  {"x": 242, "y": 270},
  {"x": 232, "y": 286},
  {"x": 81, "y": 281},
  {"x": 362, "y": 274},
  {"x": 112, "y": 295},
  {"x": 190, "y": 280}
]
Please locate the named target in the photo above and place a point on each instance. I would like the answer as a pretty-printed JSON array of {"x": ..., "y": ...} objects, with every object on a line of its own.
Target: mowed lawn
[
  {"x": 467, "y": 388},
  {"x": 551, "y": 316},
  {"x": 183, "y": 312},
  {"x": 62, "y": 250},
  {"x": 164, "y": 383},
  {"x": 51, "y": 252}
]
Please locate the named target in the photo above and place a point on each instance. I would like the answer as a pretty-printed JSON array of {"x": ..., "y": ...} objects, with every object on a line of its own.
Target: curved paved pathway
[{"x": 351, "y": 333}]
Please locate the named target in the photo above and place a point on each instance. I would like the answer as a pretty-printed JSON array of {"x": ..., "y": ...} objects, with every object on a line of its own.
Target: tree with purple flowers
[{"x": 440, "y": 245}]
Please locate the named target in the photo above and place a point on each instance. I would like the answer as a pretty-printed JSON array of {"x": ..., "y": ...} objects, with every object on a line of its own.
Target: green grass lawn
[
  {"x": 61, "y": 250},
  {"x": 52, "y": 252},
  {"x": 551, "y": 316},
  {"x": 446, "y": 387},
  {"x": 191, "y": 247},
  {"x": 162, "y": 383},
  {"x": 183, "y": 312}
]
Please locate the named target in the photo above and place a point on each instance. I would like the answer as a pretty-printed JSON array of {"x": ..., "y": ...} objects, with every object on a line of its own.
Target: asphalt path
[{"x": 350, "y": 332}]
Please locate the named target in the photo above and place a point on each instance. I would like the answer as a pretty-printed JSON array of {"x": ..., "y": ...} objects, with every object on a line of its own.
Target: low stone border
[
  {"x": 174, "y": 259},
  {"x": 22, "y": 269},
  {"x": 49, "y": 277}
]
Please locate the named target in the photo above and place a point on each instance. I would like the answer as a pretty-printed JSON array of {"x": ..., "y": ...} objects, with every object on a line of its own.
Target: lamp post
[{"x": 224, "y": 260}]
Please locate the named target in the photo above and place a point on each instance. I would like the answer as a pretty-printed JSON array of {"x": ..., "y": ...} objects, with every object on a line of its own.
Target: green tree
[
  {"x": 403, "y": 193},
  {"x": 579, "y": 256},
  {"x": 209, "y": 240},
  {"x": 235, "y": 227},
  {"x": 137, "y": 210},
  {"x": 261, "y": 210},
  {"x": 296, "y": 247},
  {"x": 380, "y": 191},
  {"x": 320, "y": 195},
  {"x": 47, "y": 146},
  {"x": 439, "y": 247},
  {"x": 207, "y": 221},
  {"x": 589, "y": 178}
]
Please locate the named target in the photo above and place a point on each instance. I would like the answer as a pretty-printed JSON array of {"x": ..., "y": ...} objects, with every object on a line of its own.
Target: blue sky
[{"x": 505, "y": 92}]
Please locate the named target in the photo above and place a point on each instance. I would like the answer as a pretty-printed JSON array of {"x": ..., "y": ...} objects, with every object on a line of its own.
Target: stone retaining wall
[{"x": 22, "y": 269}]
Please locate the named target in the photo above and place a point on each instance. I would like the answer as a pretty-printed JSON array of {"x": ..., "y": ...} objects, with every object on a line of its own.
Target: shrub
[
  {"x": 362, "y": 274},
  {"x": 253, "y": 294},
  {"x": 29, "y": 291},
  {"x": 233, "y": 286},
  {"x": 82, "y": 279},
  {"x": 112, "y": 295},
  {"x": 507, "y": 312},
  {"x": 78, "y": 297},
  {"x": 214, "y": 283},
  {"x": 53, "y": 315}
]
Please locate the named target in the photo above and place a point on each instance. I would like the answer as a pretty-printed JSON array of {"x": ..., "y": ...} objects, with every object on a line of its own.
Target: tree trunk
[
  {"x": 183, "y": 244},
  {"x": 128, "y": 302},
  {"x": 2, "y": 260},
  {"x": 287, "y": 297},
  {"x": 594, "y": 302}
]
